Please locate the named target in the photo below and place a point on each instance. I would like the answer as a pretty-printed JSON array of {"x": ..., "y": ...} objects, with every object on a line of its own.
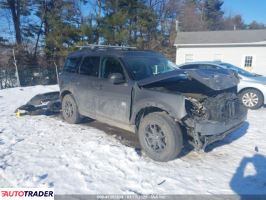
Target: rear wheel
[
  {"x": 252, "y": 99},
  {"x": 70, "y": 110},
  {"x": 160, "y": 137}
]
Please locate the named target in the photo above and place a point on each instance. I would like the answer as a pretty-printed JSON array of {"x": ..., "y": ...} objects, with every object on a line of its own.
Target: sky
[{"x": 249, "y": 9}]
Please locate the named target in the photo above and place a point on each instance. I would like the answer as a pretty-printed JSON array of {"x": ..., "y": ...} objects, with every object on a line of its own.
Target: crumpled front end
[{"x": 212, "y": 118}]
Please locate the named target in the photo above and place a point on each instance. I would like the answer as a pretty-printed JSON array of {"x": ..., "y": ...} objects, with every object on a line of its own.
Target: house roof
[{"x": 220, "y": 37}]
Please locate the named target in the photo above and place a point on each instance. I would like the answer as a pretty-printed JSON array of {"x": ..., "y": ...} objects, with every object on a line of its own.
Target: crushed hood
[{"x": 215, "y": 79}]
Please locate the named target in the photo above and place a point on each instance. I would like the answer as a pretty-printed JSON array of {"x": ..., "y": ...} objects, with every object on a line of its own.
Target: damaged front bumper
[
  {"x": 41, "y": 104},
  {"x": 206, "y": 132}
]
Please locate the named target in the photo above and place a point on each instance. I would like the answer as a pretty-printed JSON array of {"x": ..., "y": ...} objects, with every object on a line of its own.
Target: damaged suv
[{"x": 143, "y": 92}]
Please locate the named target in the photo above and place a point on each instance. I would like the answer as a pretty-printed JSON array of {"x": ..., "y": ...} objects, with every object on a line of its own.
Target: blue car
[{"x": 251, "y": 89}]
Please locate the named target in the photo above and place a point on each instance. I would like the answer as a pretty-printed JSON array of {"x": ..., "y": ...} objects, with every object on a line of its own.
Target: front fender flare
[{"x": 176, "y": 111}]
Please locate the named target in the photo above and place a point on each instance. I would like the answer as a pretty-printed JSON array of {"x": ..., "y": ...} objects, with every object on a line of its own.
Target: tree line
[{"x": 45, "y": 31}]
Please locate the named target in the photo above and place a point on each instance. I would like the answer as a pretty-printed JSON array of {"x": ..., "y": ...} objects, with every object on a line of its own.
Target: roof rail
[{"x": 97, "y": 46}]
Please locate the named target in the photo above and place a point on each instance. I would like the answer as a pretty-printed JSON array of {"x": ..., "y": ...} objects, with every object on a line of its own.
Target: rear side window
[
  {"x": 190, "y": 67},
  {"x": 90, "y": 66},
  {"x": 72, "y": 64}
]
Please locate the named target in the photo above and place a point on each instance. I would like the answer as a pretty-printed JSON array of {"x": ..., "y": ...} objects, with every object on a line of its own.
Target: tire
[
  {"x": 70, "y": 110},
  {"x": 252, "y": 98},
  {"x": 159, "y": 128}
]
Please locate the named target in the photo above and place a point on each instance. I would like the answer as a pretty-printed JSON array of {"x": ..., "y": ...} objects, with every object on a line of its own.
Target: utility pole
[
  {"x": 15, "y": 63},
  {"x": 56, "y": 71},
  {"x": 177, "y": 24}
]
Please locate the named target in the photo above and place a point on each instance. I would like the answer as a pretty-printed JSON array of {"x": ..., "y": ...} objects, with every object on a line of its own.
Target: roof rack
[{"x": 97, "y": 46}]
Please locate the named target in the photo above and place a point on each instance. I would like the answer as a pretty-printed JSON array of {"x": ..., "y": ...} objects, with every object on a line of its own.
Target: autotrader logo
[{"x": 27, "y": 193}]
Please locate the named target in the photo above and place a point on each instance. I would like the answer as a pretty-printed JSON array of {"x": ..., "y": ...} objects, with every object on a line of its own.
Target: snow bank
[{"x": 38, "y": 151}]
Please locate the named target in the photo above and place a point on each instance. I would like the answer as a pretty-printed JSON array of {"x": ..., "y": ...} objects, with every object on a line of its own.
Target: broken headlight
[{"x": 195, "y": 108}]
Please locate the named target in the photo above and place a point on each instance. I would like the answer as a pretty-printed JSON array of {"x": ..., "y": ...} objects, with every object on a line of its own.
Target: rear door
[
  {"x": 87, "y": 85},
  {"x": 114, "y": 100}
]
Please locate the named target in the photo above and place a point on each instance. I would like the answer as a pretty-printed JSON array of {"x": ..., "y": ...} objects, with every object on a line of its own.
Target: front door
[{"x": 114, "y": 100}]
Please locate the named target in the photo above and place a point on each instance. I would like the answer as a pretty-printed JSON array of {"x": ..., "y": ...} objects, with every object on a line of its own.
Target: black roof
[{"x": 112, "y": 52}]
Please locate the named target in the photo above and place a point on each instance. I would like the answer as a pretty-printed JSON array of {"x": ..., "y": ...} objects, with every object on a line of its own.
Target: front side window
[
  {"x": 142, "y": 67},
  {"x": 205, "y": 66},
  {"x": 111, "y": 65},
  {"x": 72, "y": 64},
  {"x": 248, "y": 61},
  {"x": 90, "y": 66}
]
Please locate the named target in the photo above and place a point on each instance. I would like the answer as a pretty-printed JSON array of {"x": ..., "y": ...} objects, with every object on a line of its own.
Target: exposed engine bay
[
  {"x": 222, "y": 107},
  {"x": 208, "y": 117},
  {"x": 211, "y": 113}
]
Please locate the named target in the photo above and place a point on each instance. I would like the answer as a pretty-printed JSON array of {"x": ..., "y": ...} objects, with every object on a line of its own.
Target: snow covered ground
[{"x": 37, "y": 151}]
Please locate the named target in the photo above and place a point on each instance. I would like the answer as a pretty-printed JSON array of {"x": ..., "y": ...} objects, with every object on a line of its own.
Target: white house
[{"x": 246, "y": 49}]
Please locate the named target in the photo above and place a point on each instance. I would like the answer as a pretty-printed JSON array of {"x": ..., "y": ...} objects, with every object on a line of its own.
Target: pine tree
[
  {"x": 127, "y": 22},
  {"x": 213, "y": 14},
  {"x": 60, "y": 25}
]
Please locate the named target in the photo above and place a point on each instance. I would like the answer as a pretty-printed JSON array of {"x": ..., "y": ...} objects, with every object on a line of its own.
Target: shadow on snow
[{"x": 254, "y": 184}]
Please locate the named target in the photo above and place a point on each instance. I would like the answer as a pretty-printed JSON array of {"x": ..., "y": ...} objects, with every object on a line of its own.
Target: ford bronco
[{"x": 143, "y": 92}]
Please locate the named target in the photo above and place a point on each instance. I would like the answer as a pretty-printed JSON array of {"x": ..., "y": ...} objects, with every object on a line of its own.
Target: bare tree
[
  {"x": 234, "y": 23},
  {"x": 191, "y": 18},
  {"x": 15, "y": 8}
]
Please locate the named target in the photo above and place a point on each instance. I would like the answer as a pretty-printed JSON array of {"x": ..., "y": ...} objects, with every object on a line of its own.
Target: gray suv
[{"x": 143, "y": 92}]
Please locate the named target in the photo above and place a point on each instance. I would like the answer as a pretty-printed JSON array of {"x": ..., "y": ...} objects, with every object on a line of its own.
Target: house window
[
  {"x": 248, "y": 61},
  {"x": 188, "y": 58}
]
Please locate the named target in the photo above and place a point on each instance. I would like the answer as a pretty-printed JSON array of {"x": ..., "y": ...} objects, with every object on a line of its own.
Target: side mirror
[{"x": 116, "y": 78}]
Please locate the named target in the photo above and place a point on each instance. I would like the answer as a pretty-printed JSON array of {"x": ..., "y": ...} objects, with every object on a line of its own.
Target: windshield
[
  {"x": 238, "y": 70},
  {"x": 144, "y": 67}
]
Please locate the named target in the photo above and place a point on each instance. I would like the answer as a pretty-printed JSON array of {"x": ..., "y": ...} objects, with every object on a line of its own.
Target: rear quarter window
[
  {"x": 90, "y": 66},
  {"x": 72, "y": 64}
]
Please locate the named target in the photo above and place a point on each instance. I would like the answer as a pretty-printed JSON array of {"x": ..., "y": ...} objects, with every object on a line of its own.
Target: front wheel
[
  {"x": 252, "y": 99},
  {"x": 70, "y": 110},
  {"x": 160, "y": 137}
]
